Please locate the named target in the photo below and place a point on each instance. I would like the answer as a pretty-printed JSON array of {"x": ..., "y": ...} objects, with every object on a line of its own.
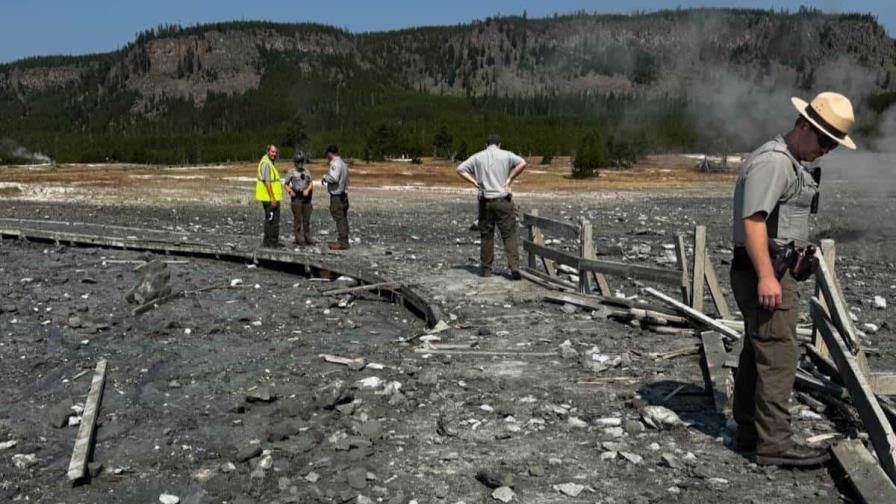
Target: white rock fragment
[
  {"x": 371, "y": 382},
  {"x": 503, "y": 494},
  {"x": 570, "y": 489},
  {"x": 8, "y": 444},
  {"x": 807, "y": 414},
  {"x": 169, "y": 499},
  {"x": 24, "y": 461},
  {"x": 660, "y": 417},
  {"x": 577, "y": 423},
  {"x": 870, "y": 328},
  {"x": 880, "y": 302},
  {"x": 486, "y": 408},
  {"x": 614, "y": 432},
  {"x": 634, "y": 458},
  {"x": 609, "y": 421}
]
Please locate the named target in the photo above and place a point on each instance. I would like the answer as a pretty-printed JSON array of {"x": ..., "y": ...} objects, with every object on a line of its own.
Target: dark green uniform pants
[
  {"x": 767, "y": 367},
  {"x": 339, "y": 211},
  {"x": 271, "y": 223},
  {"x": 301, "y": 219},
  {"x": 501, "y": 213}
]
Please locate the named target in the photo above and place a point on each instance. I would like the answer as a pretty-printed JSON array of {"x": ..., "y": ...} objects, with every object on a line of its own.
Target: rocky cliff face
[
  {"x": 664, "y": 52},
  {"x": 661, "y": 52}
]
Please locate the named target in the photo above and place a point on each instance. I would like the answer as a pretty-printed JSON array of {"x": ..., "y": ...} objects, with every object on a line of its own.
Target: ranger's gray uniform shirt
[
  {"x": 491, "y": 168},
  {"x": 771, "y": 177},
  {"x": 297, "y": 180},
  {"x": 337, "y": 177}
]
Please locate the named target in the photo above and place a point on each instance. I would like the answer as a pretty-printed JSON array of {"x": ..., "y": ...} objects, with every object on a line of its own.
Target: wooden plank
[
  {"x": 694, "y": 315},
  {"x": 883, "y": 383},
  {"x": 77, "y": 468},
  {"x": 716, "y": 375},
  {"x": 533, "y": 232},
  {"x": 588, "y": 252},
  {"x": 870, "y": 482},
  {"x": 821, "y": 385},
  {"x": 586, "y": 245},
  {"x": 829, "y": 252},
  {"x": 880, "y": 431},
  {"x": 632, "y": 303},
  {"x": 566, "y": 230},
  {"x": 823, "y": 362},
  {"x": 552, "y": 254},
  {"x": 538, "y": 238},
  {"x": 803, "y": 333},
  {"x": 582, "y": 301},
  {"x": 360, "y": 288},
  {"x": 715, "y": 290},
  {"x": 485, "y": 353},
  {"x": 684, "y": 279},
  {"x": 645, "y": 273},
  {"x": 839, "y": 312},
  {"x": 699, "y": 268},
  {"x": 547, "y": 281}
]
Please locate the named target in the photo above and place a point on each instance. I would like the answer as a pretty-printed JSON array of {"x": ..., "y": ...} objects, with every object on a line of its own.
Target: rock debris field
[{"x": 223, "y": 396}]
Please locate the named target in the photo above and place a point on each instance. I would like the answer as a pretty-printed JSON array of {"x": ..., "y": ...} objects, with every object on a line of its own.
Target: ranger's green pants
[{"x": 767, "y": 367}]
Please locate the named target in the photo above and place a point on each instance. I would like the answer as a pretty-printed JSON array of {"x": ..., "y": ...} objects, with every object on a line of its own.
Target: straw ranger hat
[{"x": 830, "y": 113}]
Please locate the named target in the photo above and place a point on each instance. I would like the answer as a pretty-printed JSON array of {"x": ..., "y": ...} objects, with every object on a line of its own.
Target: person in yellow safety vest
[{"x": 269, "y": 191}]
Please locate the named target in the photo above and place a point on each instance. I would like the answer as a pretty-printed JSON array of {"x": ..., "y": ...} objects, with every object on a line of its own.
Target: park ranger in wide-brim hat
[
  {"x": 776, "y": 192},
  {"x": 831, "y": 113}
]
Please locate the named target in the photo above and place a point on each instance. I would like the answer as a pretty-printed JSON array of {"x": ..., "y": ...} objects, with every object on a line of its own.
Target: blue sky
[{"x": 43, "y": 27}]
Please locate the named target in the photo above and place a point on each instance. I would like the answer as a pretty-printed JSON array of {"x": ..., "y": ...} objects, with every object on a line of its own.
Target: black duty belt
[{"x": 509, "y": 197}]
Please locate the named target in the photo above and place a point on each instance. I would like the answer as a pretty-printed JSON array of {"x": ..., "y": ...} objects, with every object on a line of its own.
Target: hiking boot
[
  {"x": 515, "y": 275},
  {"x": 485, "y": 272},
  {"x": 744, "y": 445},
  {"x": 797, "y": 456},
  {"x": 339, "y": 246}
]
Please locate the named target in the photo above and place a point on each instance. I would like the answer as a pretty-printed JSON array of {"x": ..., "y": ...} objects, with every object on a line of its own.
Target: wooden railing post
[
  {"x": 682, "y": 256},
  {"x": 699, "y": 268},
  {"x": 586, "y": 250},
  {"x": 829, "y": 253}
]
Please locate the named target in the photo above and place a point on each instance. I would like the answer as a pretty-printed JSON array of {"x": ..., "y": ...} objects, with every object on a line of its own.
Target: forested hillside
[{"x": 711, "y": 79}]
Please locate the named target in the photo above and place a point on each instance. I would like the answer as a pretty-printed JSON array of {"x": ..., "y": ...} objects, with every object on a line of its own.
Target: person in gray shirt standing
[
  {"x": 492, "y": 171},
  {"x": 774, "y": 196},
  {"x": 336, "y": 180},
  {"x": 299, "y": 185}
]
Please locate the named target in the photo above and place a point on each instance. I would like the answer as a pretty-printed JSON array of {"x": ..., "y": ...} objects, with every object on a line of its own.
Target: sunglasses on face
[{"x": 824, "y": 141}]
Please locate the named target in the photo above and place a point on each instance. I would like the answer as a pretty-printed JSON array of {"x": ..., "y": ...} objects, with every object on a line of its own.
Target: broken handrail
[
  {"x": 410, "y": 298},
  {"x": 694, "y": 314}
]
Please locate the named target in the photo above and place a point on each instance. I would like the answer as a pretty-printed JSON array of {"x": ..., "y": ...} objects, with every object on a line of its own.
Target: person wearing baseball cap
[{"x": 774, "y": 195}]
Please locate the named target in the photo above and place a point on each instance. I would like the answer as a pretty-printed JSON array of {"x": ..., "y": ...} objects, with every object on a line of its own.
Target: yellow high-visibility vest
[{"x": 261, "y": 191}]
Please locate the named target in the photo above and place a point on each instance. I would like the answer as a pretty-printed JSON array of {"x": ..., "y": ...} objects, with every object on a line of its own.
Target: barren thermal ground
[{"x": 221, "y": 395}]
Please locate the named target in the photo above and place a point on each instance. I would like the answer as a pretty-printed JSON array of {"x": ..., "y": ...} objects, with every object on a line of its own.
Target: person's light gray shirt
[
  {"x": 297, "y": 180},
  {"x": 265, "y": 171},
  {"x": 337, "y": 177},
  {"x": 771, "y": 178},
  {"x": 491, "y": 168}
]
